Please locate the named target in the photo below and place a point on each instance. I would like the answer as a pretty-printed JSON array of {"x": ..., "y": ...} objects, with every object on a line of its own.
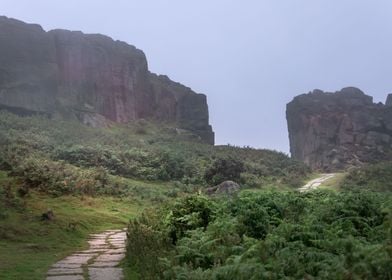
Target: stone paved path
[
  {"x": 314, "y": 184},
  {"x": 99, "y": 262}
]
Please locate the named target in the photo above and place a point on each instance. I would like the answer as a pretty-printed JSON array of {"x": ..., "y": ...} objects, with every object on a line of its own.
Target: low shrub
[
  {"x": 376, "y": 177},
  {"x": 275, "y": 235}
]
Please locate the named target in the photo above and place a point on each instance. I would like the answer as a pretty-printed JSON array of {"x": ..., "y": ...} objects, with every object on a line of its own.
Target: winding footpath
[
  {"x": 99, "y": 262},
  {"x": 107, "y": 250},
  {"x": 314, "y": 184}
]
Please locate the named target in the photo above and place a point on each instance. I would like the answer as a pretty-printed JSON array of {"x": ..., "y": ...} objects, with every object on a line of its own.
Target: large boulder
[
  {"x": 90, "y": 78},
  {"x": 226, "y": 187},
  {"x": 332, "y": 131}
]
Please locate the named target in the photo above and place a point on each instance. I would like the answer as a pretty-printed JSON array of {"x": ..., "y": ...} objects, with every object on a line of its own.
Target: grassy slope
[
  {"x": 28, "y": 246},
  {"x": 334, "y": 183}
]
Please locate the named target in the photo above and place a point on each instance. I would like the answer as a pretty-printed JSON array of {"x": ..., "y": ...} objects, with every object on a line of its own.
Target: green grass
[
  {"x": 334, "y": 183},
  {"x": 126, "y": 167},
  {"x": 158, "y": 154},
  {"x": 28, "y": 245}
]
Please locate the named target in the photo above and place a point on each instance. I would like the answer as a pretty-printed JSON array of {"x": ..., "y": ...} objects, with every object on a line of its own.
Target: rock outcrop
[
  {"x": 332, "y": 131},
  {"x": 389, "y": 100},
  {"x": 226, "y": 187},
  {"x": 92, "y": 78}
]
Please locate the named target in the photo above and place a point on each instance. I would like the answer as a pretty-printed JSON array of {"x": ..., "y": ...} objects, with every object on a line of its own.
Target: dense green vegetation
[
  {"x": 95, "y": 179},
  {"x": 65, "y": 157},
  {"x": 371, "y": 177},
  {"x": 29, "y": 245},
  {"x": 266, "y": 235}
]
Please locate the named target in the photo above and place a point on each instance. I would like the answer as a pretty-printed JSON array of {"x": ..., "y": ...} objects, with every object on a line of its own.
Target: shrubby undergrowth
[
  {"x": 371, "y": 177},
  {"x": 266, "y": 235},
  {"x": 62, "y": 157}
]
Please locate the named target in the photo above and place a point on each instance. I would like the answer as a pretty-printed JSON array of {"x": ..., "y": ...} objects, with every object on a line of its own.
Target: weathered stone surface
[
  {"x": 332, "y": 131},
  {"x": 63, "y": 265},
  {"x": 105, "y": 274},
  {"x": 226, "y": 187},
  {"x": 104, "y": 264},
  {"x": 97, "y": 242},
  {"x": 65, "y": 271},
  {"x": 116, "y": 243},
  {"x": 177, "y": 103},
  {"x": 65, "y": 277},
  {"x": 92, "y": 251},
  {"x": 116, "y": 251},
  {"x": 91, "y": 78},
  {"x": 100, "y": 265},
  {"x": 77, "y": 259},
  {"x": 110, "y": 258},
  {"x": 388, "y": 102}
]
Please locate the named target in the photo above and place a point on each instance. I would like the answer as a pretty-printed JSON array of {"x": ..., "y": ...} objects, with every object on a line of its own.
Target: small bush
[
  {"x": 376, "y": 177},
  {"x": 223, "y": 169},
  {"x": 58, "y": 178}
]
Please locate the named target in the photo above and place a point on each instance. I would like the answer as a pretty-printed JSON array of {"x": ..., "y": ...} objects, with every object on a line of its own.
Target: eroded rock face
[
  {"x": 389, "y": 100},
  {"x": 331, "y": 131},
  {"x": 91, "y": 78},
  {"x": 226, "y": 187}
]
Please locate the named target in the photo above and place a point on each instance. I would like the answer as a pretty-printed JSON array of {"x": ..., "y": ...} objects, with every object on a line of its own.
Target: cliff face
[
  {"x": 91, "y": 78},
  {"x": 331, "y": 131}
]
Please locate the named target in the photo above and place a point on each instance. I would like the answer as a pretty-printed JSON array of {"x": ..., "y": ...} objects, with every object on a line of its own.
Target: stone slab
[
  {"x": 116, "y": 251},
  {"x": 97, "y": 242},
  {"x": 92, "y": 251},
  {"x": 65, "y": 277},
  {"x": 116, "y": 239},
  {"x": 80, "y": 259},
  {"x": 100, "y": 247},
  {"x": 106, "y": 274},
  {"x": 65, "y": 271},
  {"x": 110, "y": 257},
  {"x": 104, "y": 264},
  {"x": 66, "y": 265}
]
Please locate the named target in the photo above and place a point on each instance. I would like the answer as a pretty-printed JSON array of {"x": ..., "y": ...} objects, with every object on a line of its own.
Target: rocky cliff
[
  {"x": 92, "y": 78},
  {"x": 331, "y": 131}
]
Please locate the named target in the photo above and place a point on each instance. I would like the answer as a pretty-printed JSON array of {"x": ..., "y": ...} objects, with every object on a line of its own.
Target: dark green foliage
[
  {"x": 187, "y": 214},
  {"x": 286, "y": 235},
  {"x": 376, "y": 177},
  {"x": 223, "y": 169},
  {"x": 148, "y": 237},
  {"x": 154, "y": 154},
  {"x": 9, "y": 199},
  {"x": 58, "y": 178}
]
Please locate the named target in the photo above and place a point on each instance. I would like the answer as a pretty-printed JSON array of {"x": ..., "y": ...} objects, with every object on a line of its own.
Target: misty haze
[{"x": 195, "y": 140}]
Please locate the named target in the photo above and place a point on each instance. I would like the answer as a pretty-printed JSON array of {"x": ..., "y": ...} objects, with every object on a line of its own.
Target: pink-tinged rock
[
  {"x": 333, "y": 131},
  {"x": 91, "y": 78}
]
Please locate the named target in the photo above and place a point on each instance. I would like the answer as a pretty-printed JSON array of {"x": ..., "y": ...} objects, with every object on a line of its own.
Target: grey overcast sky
[{"x": 250, "y": 57}]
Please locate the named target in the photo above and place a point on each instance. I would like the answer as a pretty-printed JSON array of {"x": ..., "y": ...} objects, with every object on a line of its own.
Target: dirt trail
[
  {"x": 99, "y": 262},
  {"x": 315, "y": 183}
]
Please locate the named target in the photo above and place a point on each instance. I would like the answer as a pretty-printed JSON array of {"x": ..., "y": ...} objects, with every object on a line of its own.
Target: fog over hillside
[{"x": 249, "y": 57}]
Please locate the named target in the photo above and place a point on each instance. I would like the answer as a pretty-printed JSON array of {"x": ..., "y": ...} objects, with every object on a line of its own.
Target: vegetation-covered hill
[
  {"x": 64, "y": 157},
  {"x": 99, "y": 178},
  {"x": 95, "y": 179}
]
